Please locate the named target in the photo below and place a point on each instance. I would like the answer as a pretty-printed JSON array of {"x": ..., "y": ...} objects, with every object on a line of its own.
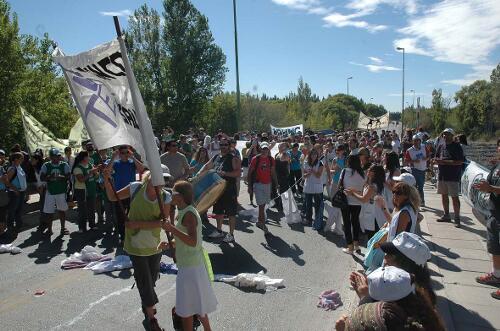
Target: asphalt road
[{"x": 79, "y": 300}]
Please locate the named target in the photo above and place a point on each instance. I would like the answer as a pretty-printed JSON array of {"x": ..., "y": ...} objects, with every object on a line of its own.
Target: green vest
[
  {"x": 142, "y": 242},
  {"x": 90, "y": 183},
  {"x": 188, "y": 256},
  {"x": 57, "y": 186}
]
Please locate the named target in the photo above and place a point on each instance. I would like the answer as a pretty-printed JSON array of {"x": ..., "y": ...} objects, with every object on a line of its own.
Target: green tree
[
  {"x": 373, "y": 110},
  {"x": 148, "y": 58},
  {"x": 475, "y": 107},
  {"x": 438, "y": 110},
  {"x": 220, "y": 114},
  {"x": 196, "y": 67},
  {"x": 11, "y": 73}
]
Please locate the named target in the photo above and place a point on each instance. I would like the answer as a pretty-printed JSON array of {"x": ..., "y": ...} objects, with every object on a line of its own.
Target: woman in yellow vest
[
  {"x": 194, "y": 293},
  {"x": 142, "y": 237}
]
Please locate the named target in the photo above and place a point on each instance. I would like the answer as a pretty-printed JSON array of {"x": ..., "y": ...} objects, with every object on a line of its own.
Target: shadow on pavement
[
  {"x": 233, "y": 260},
  {"x": 474, "y": 321},
  {"x": 280, "y": 248}
]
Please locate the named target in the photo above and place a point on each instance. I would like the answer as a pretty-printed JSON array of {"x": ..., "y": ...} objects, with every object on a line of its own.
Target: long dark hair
[
  {"x": 422, "y": 275},
  {"x": 421, "y": 315},
  {"x": 309, "y": 158},
  {"x": 378, "y": 178},
  {"x": 392, "y": 163},
  {"x": 354, "y": 163},
  {"x": 79, "y": 158}
]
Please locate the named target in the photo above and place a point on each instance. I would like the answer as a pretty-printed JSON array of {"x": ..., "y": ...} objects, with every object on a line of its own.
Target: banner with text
[
  {"x": 98, "y": 83},
  {"x": 369, "y": 123},
  {"x": 288, "y": 131},
  {"x": 476, "y": 199}
]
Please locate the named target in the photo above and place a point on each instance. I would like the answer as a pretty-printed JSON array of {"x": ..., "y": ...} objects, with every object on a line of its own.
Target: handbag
[
  {"x": 339, "y": 200},
  {"x": 4, "y": 198}
]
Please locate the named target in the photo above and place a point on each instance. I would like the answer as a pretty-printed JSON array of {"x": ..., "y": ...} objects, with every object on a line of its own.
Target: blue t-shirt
[
  {"x": 295, "y": 160},
  {"x": 197, "y": 166},
  {"x": 124, "y": 173},
  {"x": 341, "y": 164}
]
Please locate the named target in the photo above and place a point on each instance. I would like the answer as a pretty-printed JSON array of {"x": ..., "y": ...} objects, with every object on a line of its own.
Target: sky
[{"x": 447, "y": 43}]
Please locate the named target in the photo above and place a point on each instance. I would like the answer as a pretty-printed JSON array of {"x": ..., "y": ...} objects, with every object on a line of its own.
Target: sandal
[
  {"x": 488, "y": 279},
  {"x": 496, "y": 295},
  {"x": 444, "y": 218}
]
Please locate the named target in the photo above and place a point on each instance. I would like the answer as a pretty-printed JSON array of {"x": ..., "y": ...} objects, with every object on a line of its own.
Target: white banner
[
  {"x": 476, "y": 199},
  {"x": 372, "y": 123},
  {"x": 100, "y": 87},
  {"x": 78, "y": 134},
  {"x": 288, "y": 131},
  {"x": 38, "y": 136}
]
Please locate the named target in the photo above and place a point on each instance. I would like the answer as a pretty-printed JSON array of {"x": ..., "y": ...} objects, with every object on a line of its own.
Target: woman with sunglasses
[
  {"x": 406, "y": 202},
  {"x": 194, "y": 293},
  {"x": 313, "y": 189}
]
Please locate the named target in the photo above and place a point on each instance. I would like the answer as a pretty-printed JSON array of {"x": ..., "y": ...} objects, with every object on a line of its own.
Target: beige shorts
[{"x": 449, "y": 188}]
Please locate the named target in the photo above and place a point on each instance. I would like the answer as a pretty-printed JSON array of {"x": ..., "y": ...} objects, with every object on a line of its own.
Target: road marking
[
  {"x": 138, "y": 311},
  {"x": 91, "y": 305}
]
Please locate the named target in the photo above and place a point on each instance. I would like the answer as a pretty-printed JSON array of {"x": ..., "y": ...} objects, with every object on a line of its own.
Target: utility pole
[
  {"x": 403, "y": 92},
  {"x": 238, "y": 102}
]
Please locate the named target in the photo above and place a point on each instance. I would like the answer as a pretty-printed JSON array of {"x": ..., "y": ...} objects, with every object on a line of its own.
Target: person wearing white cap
[
  {"x": 449, "y": 158},
  {"x": 417, "y": 157},
  {"x": 397, "y": 305}
]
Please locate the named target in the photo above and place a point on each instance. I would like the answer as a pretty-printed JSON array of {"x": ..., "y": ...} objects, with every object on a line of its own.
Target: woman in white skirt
[{"x": 194, "y": 293}]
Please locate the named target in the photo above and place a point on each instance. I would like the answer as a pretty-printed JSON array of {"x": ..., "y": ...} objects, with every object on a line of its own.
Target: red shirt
[{"x": 263, "y": 170}]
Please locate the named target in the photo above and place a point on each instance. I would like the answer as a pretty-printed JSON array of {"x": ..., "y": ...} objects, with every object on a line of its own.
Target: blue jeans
[
  {"x": 420, "y": 179},
  {"x": 16, "y": 204},
  {"x": 318, "y": 199}
]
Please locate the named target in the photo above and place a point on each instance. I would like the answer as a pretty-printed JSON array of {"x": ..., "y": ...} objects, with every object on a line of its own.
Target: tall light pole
[
  {"x": 238, "y": 104},
  {"x": 348, "y": 84},
  {"x": 403, "y": 92},
  {"x": 413, "y": 103}
]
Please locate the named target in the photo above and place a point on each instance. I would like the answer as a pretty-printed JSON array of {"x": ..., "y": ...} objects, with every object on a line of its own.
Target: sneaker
[
  {"x": 216, "y": 234},
  {"x": 445, "y": 218},
  {"x": 263, "y": 227},
  {"x": 496, "y": 294},
  {"x": 228, "y": 238},
  {"x": 488, "y": 279},
  {"x": 348, "y": 250}
]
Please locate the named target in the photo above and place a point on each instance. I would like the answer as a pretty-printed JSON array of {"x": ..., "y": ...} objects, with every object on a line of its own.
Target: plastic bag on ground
[
  {"x": 334, "y": 221},
  {"x": 120, "y": 262},
  {"x": 81, "y": 259},
  {"x": 260, "y": 281},
  {"x": 292, "y": 213},
  {"x": 9, "y": 248}
]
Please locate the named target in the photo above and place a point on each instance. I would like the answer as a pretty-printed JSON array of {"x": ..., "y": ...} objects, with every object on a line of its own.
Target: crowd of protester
[{"x": 374, "y": 182}]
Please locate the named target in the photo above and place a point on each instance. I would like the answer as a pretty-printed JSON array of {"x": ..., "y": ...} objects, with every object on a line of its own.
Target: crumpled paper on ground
[
  {"x": 83, "y": 258},
  {"x": 260, "y": 281},
  {"x": 120, "y": 262},
  {"x": 329, "y": 300},
  {"x": 9, "y": 248}
]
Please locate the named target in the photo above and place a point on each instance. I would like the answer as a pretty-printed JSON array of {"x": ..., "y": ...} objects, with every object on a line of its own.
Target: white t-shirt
[
  {"x": 396, "y": 145},
  {"x": 417, "y": 156},
  {"x": 313, "y": 184},
  {"x": 393, "y": 226},
  {"x": 352, "y": 181}
]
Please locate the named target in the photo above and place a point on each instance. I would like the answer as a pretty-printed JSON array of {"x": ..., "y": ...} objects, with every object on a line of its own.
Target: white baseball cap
[
  {"x": 166, "y": 171},
  {"x": 389, "y": 284},
  {"x": 410, "y": 245},
  {"x": 264, "y": 145},
  {"x": 406, "y": 178},
  {"x": 448, "y": 130}
]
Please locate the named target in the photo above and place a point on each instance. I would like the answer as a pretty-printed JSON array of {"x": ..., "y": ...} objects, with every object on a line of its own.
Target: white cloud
[
  {"x": 298, "y": 4},
  {"x": 124, "y": 12},
  {"x": 458, "y": 31},
  {"x": 375, "y": 59},
  {"x": 367, "y": 7},
  {"x": 340, "y": 21},
  {"x": 479, "y": 72},
  {"x": 375, "y": 68}
]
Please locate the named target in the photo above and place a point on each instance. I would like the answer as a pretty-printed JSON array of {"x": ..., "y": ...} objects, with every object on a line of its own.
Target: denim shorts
[{"x": 493, "y": 235}]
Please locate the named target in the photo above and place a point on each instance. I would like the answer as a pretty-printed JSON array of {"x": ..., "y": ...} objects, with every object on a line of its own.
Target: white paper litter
[
  {"x": 10, "y": 248},
  {"x": 334, "y": 221},
  {"x": 260, "y": 281},
  {"x": 120, "y": 262},
  {"x": 292, "y": 213},
  {"x": 84, "y": 257}
]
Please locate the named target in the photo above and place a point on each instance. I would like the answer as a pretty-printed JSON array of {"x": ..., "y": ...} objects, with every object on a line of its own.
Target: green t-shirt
[
  {"x": 90, "y": 184},
  {"x": 60, "y": 185},
  {"x": 188, "y": 256}
]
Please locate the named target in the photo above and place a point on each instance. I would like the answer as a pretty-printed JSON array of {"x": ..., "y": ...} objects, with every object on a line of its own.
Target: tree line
[{"x": 181, "y": 72}]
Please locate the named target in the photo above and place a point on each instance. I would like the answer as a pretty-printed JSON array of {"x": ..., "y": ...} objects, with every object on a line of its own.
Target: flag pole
[{"x": 152, "y": 155}]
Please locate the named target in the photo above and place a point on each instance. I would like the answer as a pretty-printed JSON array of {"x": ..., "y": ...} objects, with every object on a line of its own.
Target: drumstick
[{"x": 164, "y": 219}]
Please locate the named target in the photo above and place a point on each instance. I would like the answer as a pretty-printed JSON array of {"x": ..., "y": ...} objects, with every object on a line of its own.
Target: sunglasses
[
  {"x": 397, "y": 193},
  {"x": 224, "y": 145},
  {"x": 173, "y": 145}
]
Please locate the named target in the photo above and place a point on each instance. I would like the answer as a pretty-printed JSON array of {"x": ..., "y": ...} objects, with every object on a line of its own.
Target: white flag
[{"x": 100, "y": 87}]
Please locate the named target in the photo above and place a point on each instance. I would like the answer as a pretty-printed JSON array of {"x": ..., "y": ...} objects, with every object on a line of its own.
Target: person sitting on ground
[
  {"x": 194, "y": 293},
  {"x": 399, "y": 305},
  {"x": 407, "y": 251}
]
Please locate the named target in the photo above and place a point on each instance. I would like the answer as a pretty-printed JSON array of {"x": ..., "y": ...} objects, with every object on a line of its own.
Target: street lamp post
[
  {"x": 348, "y": 84},
  {"x": 403, "y": 92},
  {"x": 238, "y": 103}
]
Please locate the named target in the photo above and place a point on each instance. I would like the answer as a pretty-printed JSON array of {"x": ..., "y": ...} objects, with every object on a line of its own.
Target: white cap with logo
[{"x": 389, "y": 284}]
